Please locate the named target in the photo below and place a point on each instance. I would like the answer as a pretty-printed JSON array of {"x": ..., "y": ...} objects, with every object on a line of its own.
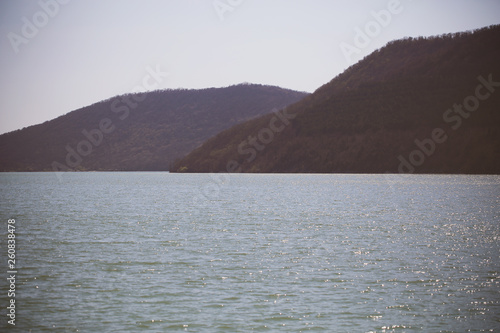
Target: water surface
[{"x": 160, "y": 252}]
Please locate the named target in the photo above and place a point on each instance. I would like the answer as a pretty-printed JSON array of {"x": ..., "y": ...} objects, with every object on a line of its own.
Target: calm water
[{"x": 159, "y": 252}]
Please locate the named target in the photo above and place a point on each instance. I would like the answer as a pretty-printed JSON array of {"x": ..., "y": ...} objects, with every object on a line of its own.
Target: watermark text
[
  {"x": 454, "y": 117},
  {"x": 32, "y": 26},
  {"x": 11, "y": 270},
  {"x": 121, "y": 107}
]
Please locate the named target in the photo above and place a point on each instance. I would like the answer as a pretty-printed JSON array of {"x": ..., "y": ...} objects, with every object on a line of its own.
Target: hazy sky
[{"x": 60, "y": 55}]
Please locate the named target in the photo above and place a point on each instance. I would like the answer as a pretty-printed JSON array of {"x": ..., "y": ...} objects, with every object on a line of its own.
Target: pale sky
[{"x": 59, "y": 55}]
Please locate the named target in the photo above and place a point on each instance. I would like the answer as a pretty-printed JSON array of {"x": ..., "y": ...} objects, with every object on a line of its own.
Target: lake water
[{"x": 160, "y": 252}]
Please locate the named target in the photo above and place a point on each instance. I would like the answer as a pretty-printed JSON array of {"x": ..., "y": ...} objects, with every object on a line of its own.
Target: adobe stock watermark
[
  {"x": 372, "y": 29},
  {"x": 11, "y": 270},
  {"x": 224, "y": 6},
  {"x": 120, "y": 107},
  {"x": 454, "y": 117},
  {"x": 250, "y": 148},
  {"x": 31, "y": 26}
]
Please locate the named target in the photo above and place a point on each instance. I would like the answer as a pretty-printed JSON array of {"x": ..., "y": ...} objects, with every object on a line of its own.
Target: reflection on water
[{"x": 136, "y": 252}]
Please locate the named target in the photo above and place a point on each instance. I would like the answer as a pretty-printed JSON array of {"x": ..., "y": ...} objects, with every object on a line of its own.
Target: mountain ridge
[
  {"x": 145, "y": 131},
  {"x": 379, "y": 112}
]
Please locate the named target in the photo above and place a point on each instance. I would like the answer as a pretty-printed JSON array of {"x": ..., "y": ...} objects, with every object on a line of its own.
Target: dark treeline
[
  {"x": 402, "y": 108},
  {"x": 137, "y": 132}
]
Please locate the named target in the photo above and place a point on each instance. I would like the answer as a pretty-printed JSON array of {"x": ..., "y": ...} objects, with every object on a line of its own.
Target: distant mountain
[
  {"x": 137, "y": 132},
  {"x": 423, "y": 105}
]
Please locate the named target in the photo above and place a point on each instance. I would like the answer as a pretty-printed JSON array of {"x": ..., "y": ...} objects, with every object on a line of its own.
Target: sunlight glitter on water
[{"x": 273, "y": 252}]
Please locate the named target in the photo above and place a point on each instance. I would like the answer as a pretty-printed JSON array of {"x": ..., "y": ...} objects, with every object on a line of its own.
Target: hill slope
[
  {"x": 425, "y": 105},
  {"x": 137, "y": 132}
]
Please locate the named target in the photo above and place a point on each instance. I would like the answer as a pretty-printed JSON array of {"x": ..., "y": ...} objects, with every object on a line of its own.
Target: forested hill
[
  {"x": 137, "y": 132},
  {"x": 422, "y": 105}
]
